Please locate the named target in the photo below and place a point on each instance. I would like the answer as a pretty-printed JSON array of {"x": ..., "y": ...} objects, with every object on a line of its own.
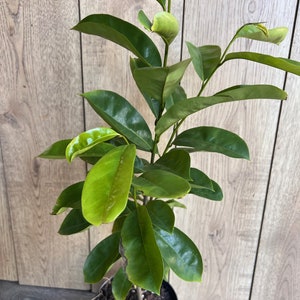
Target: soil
[{"x": 166, "y": 293}]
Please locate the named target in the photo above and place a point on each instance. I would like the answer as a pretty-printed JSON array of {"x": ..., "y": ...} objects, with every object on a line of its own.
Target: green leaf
[
  {"x": 183, "y": 109},
  {"x": 69, "y": 197},
  {"x": 213, "y": 139},
  {"x": 161, "y": 215},
  {"x": 173, "y": 203},
  {"x": 121, "y": 285},
  {"x": 101, "y": 258},
  {"x": 123, "y": 33},
  {"x": 257, "y": 31},
  {"x": 161, "y": 184},
  {"x": 284, "y": 64},
  {"x": 166, "y": 25},
  {"x": 216, "y": 194},
  {"x": 74, "y": 222},
  {"x": 200, "y": 180},
  {"x": 178, "y": 95},
  {"x": 118, "y": 223},
  {"x": 121, "y": 116},
  {"x": 92, "y": 155},
  {"x": 144, "y": 20},
  {"x": 144, "y": 262},
  {"x": 176, "y": 161},
  {"x": 87, "y": 140},
  {"x": 160, "y": 82},
  {"x": 56, "y": 150},
  {"x": 180, "y": 253},
  {"x": 162, "y": 3},
  {"x": 205, "y": 59},
  {"x": 106, "y": 188}
]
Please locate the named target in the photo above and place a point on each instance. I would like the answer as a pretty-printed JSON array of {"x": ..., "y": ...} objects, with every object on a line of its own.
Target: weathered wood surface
[
  {"x": 278, "y": 267},
  {"x": 41, "y": 77}
]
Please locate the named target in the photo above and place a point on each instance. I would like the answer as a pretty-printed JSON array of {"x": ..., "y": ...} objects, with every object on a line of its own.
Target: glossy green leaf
[
  {"x": 183, "y": 109},
  {"x": 173, "y": 203},
  {"x": 69, "y": 197},
  {"x": 144, "y": 262},
  {"x": 74, "y": 222},
  {"x": 121, "y": 116},
  {"x": 154, "y": 104},
  {"x": 101, "y": 258},
  {"x": 216, "y": 194},
  {"x": 57, "y": 150},
  {"x": 205, "y": 59},
  {"x": 213, "y": 139},
  {"x": 166, "y": 25},
  {"x": 121, "y": 285},
  {"x": 92, "y": 155},
  {"x": 162, "y": 3},
  {"x": 106, "y": 188},
  {"x": 178, "y": 95},
  {"x": 160, "y": 82},
  {"x": 87, "y": 140},
  {"x": 161, "y": 184},
  {"x": 123, "y": 33},
  {"x": 258, "y": 31},
  {"x": 144, "y": 20},
  {"x": 118, "y": 223},
  {"x": 176, "y": 161},
  {"x": 161, "y": 215},
  {"x": 180, "y": 253},
  {"x": 200, "y": 180},
  {"x": 284, "y": 64}
]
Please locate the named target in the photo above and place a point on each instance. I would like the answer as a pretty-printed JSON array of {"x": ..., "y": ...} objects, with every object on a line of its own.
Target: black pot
[{"x": 166, "y": 293}]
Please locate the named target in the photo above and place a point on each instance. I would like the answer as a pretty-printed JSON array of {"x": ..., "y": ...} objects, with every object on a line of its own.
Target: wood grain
[
  {"x": 227, "y": 232},
  {"x": 41, "y": 61},
  {"x": 277, "y": 273},
  {"x": 8, "y": 270}
]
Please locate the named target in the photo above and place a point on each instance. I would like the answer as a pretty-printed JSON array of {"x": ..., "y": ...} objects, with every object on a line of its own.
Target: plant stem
[
  {"x": 139, "y": 293},
  {"x": 169, "y": 5}
]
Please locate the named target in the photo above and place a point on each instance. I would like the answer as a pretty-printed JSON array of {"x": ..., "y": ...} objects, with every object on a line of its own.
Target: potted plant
[{"x": 141, "y": 171}]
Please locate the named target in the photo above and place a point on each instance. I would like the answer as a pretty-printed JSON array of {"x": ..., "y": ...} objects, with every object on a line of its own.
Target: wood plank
[
  {"x": 42, "y": 78},
  {"x": 106, "y": 65},
  {"x": 227, "y": 233},
  {"x": 8, "y": 270},
  {"x": 14, "y": 291},
  {"x": 277, "y": 273}
]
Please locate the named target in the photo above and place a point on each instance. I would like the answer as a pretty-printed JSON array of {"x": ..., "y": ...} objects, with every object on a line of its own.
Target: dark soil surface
[{"x": 166, "y": 293}]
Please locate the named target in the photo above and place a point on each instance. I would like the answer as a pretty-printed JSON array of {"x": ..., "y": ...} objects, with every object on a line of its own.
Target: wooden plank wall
[{"x": 249, "y": 242}]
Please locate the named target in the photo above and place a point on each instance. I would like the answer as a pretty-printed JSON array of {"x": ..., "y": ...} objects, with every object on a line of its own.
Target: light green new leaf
[
  {"x": 200, "y": 180},
  {"x": 56, "y": 151},
  {"x": 121, "y": 116},
  {"x": 161, "y": 215},
  {"x": 106, "y": 188},
  {"x": 144, "y": 20},
  {"x": 159, "y": 82},
  {"x": 205, "y": 59},
  {"x": 69, "y": 197},
  {"x": 284, "y": 64},
  {"x": 161, "y": 184},
  {"x": 121, "y": 285},
  {"x": 144, "y": 262},
  {"x": 101, "y": 258},
  {"x": 123, "y": 33},
  {"x": 173, "y": 203},
  {"x": 257, "y": 31},
  {"x": 176, "y": 161},
  {"x": 183, "y": 109},
  {"x": 87, "y": 140},
  {"x": 74, "y": 222},
  {"x": 213, "y": 139},
  {"x": 180, "y": 253},
  {"x": 216, "y": 194}
]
